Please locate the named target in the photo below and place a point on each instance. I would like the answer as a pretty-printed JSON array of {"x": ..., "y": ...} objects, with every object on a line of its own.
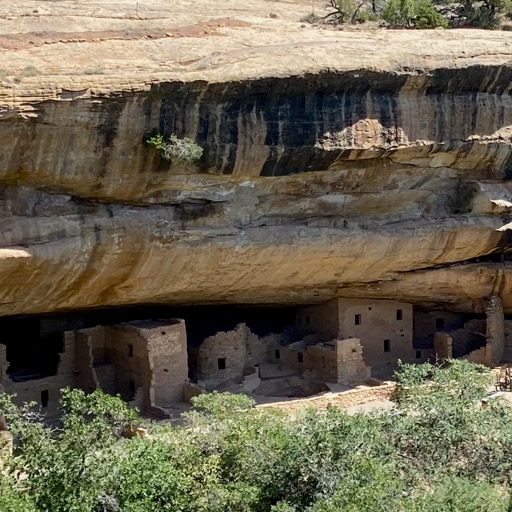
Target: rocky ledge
[{"x": 336, "y": 163}]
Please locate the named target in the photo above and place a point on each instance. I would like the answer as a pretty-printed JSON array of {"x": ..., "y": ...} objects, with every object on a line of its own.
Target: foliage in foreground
[{"x": 438, "y": 451}]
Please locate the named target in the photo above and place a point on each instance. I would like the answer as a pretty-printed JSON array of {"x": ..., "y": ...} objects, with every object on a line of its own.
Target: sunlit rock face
[{"x": 350, "y": 183}]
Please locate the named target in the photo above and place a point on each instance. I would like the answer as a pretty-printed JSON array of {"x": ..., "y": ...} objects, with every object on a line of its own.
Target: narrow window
[
  {"x": 221, "y": 363},
  {"x": 300, "y": 357},
  {"x": 357, "y": 320},
  {"x": 387, "y": 345},
  {"x": 45, "y": 398},
  {"x": 131, "y": 390},
  {"x": 439, "y": 323},
  {"x": 399, "y": 314},
  {"x": 278, "y": 354},
  {"x": 130, "y": 350},
  {"x": 418, "y": 354}
]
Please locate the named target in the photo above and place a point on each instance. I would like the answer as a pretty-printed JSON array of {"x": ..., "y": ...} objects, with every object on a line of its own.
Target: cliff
[{"x": 336, "y": 163}]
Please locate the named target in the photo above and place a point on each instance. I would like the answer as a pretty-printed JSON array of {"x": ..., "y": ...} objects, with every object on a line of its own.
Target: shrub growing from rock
[{"x": 178, "y": 151}]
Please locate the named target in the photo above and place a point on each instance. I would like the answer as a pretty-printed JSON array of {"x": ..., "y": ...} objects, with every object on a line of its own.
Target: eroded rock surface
[{"x": 334, "y": 163}]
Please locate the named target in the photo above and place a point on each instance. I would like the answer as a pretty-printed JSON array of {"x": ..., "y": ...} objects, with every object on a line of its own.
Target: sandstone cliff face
[{"x": 347, "y": 182}]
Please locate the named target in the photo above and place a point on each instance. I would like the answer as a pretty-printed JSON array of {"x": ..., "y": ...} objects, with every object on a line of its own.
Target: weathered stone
[{"x": 382, "y": 174}]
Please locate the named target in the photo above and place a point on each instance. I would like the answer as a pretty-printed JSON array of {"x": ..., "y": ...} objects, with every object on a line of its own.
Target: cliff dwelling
[{"x": 157, "y": 364}]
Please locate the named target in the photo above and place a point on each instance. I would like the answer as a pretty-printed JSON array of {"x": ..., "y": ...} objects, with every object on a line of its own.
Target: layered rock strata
[{"x": 317, "y": 183}]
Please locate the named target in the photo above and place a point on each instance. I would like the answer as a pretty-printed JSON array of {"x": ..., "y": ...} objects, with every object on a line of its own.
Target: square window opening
[
  {"x": 278, "y": 354},
  {"x": 418, "y": 354},
  {"x": 221, "y": 363},
  {"x": 439, "y": 323},
  {"x": 387, "y": 345},
  {"x": 300, "y": 357},
  {"x": 399, "y": 314},
  {"x": 357, "y": 319}
]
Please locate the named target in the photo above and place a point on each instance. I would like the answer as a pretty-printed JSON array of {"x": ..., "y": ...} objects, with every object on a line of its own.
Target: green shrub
[
  {"x": 12, "y": 498},
  {"x": 464, "y": 494},
  {"x": 428, "y": 17},
  {"x": 179, "y": 151},
  {"x": 346, "y": 10},
  {"x": 485, "y": 13},
  {"x": 437, "y": 451},
  {"x": 222, "y": 404},
  {"x": 350, "y": 11},
  {"x": 413, "y": 13}
]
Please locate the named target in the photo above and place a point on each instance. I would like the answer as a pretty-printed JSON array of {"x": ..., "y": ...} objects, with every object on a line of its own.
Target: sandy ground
[{"x": 121, "y": 44}]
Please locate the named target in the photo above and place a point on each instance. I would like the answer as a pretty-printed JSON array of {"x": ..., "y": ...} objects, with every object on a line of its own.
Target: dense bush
[
  {"x": 413, "y": 13},
  {"x": 179, "y": 151},
  {"x": 438, "y": 451},
  {"x": 423, "y": 14},
  {"x": 484, "y": 13}
]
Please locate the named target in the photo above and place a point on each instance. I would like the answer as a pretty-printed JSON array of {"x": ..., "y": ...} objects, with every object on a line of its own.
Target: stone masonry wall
[
  {"x": 359, "y": 396},
  {"x": 495, "y": 331},
  {"x": 86, "y": 378},
  {"x": 465, "y": 341},
  {"x": 126, "y": 348},
  {"x": 322, "y": 362},
  {"x": 223, "y": 356},
  {"x": 34, "y": 390},
  {"x": 350, "y": 362},
  {"x": 321, "y": 320},
  {"x": 426, "y": 324},
  {"x": 339, "y": 361},
  {"x": 442, "y": 345},
  {"x": 507, "y": 352},
  {"x": 385, "y": 330},
  {"x": 167, "y": 354}
]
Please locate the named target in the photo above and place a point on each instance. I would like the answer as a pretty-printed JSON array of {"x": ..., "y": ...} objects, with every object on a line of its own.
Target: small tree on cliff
[{"x": 179, "y": 151}]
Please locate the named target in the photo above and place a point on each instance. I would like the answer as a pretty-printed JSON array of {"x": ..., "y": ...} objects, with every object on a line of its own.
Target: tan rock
[{"x": 337, "y": 163}]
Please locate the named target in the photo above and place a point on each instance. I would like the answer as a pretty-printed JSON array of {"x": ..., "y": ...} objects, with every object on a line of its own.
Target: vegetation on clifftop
[
  {"x": 421, "y": 14},
  {"x": 438, "y": 451}
]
